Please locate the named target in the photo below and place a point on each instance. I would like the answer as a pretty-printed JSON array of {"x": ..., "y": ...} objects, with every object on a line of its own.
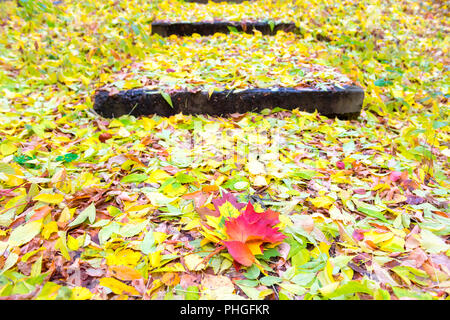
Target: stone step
[
  {"x": 205, "y": 28},
  {"x": 344, "y": 103},
  {"x": 185, "y": 18}
]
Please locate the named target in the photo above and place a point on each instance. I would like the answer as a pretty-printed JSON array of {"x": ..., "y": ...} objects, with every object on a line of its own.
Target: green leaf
[
  {"x": 166, "y": 97},
  {"x": 371, "y": 210},
  {"x": 48, "y": 291},
  {"x": 232, "y": 29},
  {"x": 271, "y": 25},
  {"x": 295, "y": 247},
  {"x": 69, "y": 157},
  {"x": 268, "y": 253},
  {"x": 24, "y": 233},
  {"x": 247, "y": 283},
  {"x": 300, "y": 258},
  {"x": 148, "y": 243},
  {"x": 292, "y": 288},
  {"x": 440, "y": 124},
  {"x": 252, "y": 293},
  {"x": 270, "y": 280},
  {"x": 305, "y": 174},
  {"x": 131, "y": 229},
  {"x": 432, "y": 243},
  {"x": 349, "y": 147},
  {"x": 382, "y": 83},
  {"x": 10, "y": 262},
  {"x": 89, "y": 212},
  {"x": 184, "y": 178},
  {"x": 105, "y": 233},
  {"x": 304, "y": 279},
  {"x": 349, "y": 288},
  {"x": 6, "y": 168},
  {"x": 252, "y": 272},
  {"x": 134, "y": 177},
  {"x": 36, "y": 267},
  {"x": 192, "y": 293},
  {"x": 408, "y": 293}
]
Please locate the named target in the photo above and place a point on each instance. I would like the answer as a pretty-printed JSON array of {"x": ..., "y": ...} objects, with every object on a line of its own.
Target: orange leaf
[
  {"x": 115, "y": 54},
  {"x": 125, "y": 273},
  {"x": 170, "y": 279},
  {"x": 40, "y": 213},
  {"x": 210, "y": 188},
  {"x": 240, "y": 252}
]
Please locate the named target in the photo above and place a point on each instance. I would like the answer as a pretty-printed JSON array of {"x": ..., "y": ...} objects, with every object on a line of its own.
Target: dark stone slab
[
  {"x": 344, "y": 103},
  {"x": 205, "y": 28}
]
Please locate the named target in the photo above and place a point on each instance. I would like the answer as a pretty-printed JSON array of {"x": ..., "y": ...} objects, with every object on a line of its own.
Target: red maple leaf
[{"x": 247, "y": 233}]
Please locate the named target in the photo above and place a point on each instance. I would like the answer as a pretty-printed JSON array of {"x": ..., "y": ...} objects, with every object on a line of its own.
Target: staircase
[{"x": 258, "y": 68}]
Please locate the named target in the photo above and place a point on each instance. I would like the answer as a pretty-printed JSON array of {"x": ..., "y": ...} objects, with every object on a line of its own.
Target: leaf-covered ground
[
  {"x": 255, "y": 10},
  {"x": 225, "y": 61},
  {"x": 126, "y": 208}
]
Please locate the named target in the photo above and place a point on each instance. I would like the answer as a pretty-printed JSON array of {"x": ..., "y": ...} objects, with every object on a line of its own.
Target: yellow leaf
[
  {"x": 446, "y": 152},
  {"x": 259, "y": 181},
  {"x": 377, "y": 237},
  {"x": 61, "y": 244},
  {"x": 172, "y": 267},
  {"x": 157, "y": 176},
  {"x": 10, "y": 262},
  {"x": 340, "y": 177},
  {"x": 210, "y": 92},
  {"x": 49, "y": 229},
  {"x": 194, "y": 223},
  {"x": 329, "y": 288},
  {"x": 72, "y": 243},
  {"x": 397, "y": 92},
  {"x": 322, "y": 248},
  {"x": 205, "y": 241},
  {"x": 118, "y": 287},
  {"x": 322, "y": 202},
  {"x": 395, "y": 244},
  {"x": 329, "y": 271},
  {"x": 81, "y": 293},
  {"x": 255, "y": 247},
  {"x": 123, "y": 257},
  {"x": 66, "y": 214},
  {"x": 227, "y": 210},
  {"x": 159, "y": 237},
  {"x": 12, "y": 179},
  {"x": 155, "y": 259},
  {"x": 85, "y": 80},
  {"x": 194, "y": 262},
  {"x": 148, "y": 125},
  {"x": 172, "y": 191},
  {"x": 155, "y": 285},
  {"x": 381, "y": 187},
  {"x": 220, "y": 180},
  {"x": 210, "y": 235},
  {"x": 28, "y": 255},
  {"x": 216, "y": 287},
  {"x": 265, "y": 293},
  {"x": 53, "y": 198},
  {"x": 7, "y": 148}
]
